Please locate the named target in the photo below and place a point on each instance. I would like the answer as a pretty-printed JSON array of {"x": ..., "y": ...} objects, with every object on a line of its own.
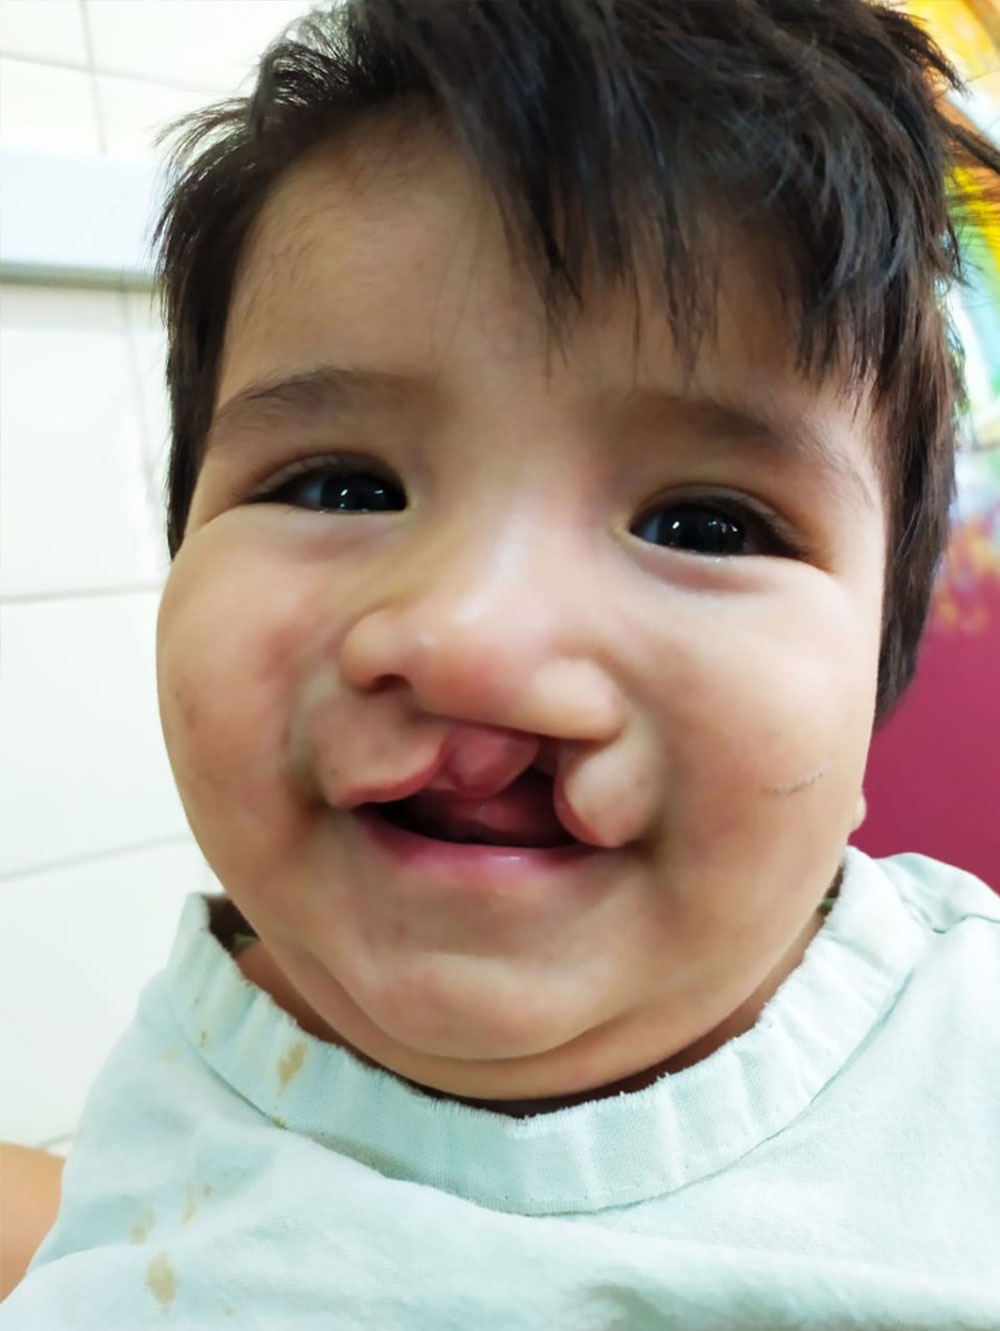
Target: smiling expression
[{"x": 660, "y": 593}]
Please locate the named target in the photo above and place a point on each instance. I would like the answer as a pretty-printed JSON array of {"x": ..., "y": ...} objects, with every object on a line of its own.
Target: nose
[{"x": 508, "y": 634}]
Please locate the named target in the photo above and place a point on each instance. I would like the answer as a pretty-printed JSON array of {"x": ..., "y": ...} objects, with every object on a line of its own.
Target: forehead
[
  {"x": 391, "y": 220},
  {"x": 386, "y": 252}
]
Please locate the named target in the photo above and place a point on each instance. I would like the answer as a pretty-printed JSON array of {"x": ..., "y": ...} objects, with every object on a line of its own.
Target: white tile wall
[
  {"x": 132, "y": 110},
  {"x": 47, "y": 108},
  {"x": 100, "y": 76},
  {"x": 84, "y": 769},
  {"x": 193, "y": 43},
  {"x": 74, "y": 510},
  {"x": 76, "y": 947},
  {"x": 50, "y": 31},
  {"x": 95, "y": 852},
  {"x": 148, "y": 347}
]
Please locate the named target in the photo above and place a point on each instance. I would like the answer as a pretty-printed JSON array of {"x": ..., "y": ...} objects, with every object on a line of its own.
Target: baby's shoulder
[{"x": 942, "y": 896}]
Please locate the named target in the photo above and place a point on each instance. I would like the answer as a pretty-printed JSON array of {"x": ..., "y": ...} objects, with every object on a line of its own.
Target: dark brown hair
[{"x": 602, "y": 124}]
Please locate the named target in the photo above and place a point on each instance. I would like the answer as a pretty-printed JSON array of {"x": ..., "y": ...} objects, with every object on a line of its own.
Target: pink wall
[{"x": 933, "y": 781}]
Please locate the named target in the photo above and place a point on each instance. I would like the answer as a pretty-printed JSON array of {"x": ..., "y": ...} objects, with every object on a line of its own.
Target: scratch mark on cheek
[{"x": 793, "y": 787}]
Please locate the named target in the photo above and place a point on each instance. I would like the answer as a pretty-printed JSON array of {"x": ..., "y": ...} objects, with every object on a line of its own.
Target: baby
[{"x": 563, "y": 442}]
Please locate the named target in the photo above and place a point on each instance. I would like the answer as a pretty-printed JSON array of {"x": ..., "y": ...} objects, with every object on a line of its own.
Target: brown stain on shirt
[
  {"x": 139, "y": 1232},
  {"x": 291, "y": 1064},
  {"x": 190, "y": 1205},
  {"x": 161, "y": 1280}
]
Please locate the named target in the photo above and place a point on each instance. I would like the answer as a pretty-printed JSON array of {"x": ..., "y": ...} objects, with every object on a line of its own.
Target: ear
[{"x": 860, "y": 811}]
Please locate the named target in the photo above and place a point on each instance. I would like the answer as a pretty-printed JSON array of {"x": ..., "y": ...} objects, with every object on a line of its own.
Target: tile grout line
[
  {"x": 132, "y": 76},
  {"x": 95, "y": 101},
  {"x": 80, "y": 593},
  {"x": 73, "y": 861}
]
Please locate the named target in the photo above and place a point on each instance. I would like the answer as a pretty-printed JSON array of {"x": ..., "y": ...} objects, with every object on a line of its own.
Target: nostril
[{"x": 386, "y": 684}]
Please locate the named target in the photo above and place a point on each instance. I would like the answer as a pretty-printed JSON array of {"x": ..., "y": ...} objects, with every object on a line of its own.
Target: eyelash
[{"x": 778, "y": 538}]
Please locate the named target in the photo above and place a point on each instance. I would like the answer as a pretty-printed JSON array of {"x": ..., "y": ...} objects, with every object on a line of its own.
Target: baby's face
[{"x": 529, "y": 577}]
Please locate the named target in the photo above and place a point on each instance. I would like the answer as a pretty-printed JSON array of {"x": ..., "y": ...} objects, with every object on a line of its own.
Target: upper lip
[
  {"x": 577, "y": 827},
  {"x": 388, "y": 792}
]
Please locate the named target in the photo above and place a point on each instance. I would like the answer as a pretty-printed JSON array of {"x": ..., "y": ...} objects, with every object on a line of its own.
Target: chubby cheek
[
  {"x": 767, "y": 749},
  {"x": 228, "y": 635}
]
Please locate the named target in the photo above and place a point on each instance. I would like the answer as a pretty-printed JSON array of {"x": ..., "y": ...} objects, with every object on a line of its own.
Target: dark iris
[
  {"x": 698, "y": 529},
  {"x": 703, "y": 531},
  {"x": 340, "y": 492},
  {"x": 360, "y": 492}
]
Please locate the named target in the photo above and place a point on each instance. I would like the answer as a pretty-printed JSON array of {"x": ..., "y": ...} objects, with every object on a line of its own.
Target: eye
[
  {"x": 706, "y": 528},
  {"x": 335, "y": 487}
]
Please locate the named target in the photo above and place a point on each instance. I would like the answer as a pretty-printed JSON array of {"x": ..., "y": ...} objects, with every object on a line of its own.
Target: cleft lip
[
  {"x": 391, "y": 792},
  {"x": 520, "y": 815},
  {"x": 576, "y": 826},
  {"x": 505, "y": 757}
]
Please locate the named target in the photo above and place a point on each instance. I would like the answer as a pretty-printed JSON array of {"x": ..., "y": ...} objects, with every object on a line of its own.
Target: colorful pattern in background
[
  {"x": 933, "y": 779},
  {"x": 970, "y": 31}
]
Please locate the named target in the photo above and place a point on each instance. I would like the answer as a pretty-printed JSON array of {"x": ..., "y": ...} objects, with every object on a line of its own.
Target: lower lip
[{"x": 472, "y": 865}]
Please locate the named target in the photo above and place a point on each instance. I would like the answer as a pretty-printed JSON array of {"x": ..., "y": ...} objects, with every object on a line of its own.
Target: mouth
[{"x": 522, "y": 815}]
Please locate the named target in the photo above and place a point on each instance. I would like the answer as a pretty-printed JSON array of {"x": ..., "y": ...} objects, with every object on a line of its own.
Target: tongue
[{"x": 520, "y": 815}]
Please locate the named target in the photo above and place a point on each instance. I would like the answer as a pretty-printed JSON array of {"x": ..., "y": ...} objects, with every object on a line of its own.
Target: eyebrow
[
  {"x": 778, "y": 436},
  {"x": 313, "y": 395}
]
